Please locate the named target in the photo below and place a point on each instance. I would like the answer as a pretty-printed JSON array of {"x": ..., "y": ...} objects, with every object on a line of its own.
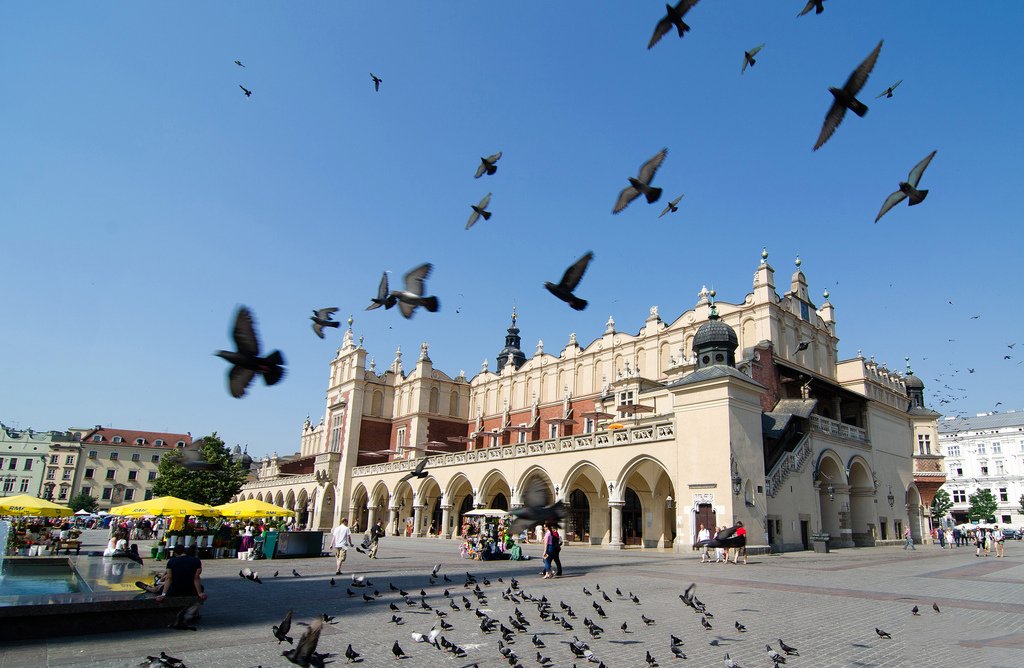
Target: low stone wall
[{"x": 34, "y": 622}]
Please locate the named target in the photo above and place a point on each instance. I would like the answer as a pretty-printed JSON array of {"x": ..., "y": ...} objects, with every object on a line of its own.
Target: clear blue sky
[{"x": 143, "y": 197}]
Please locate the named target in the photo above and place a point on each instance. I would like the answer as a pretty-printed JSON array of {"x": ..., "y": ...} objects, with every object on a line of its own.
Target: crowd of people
[
  {"x": 987, "y": 540},
  {"x": 725, "y": 541}
]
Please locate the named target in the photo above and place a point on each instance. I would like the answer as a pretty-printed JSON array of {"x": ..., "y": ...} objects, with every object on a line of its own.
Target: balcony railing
[
  {"x": 838, "y": 429},
  {"x": 790, "y": 462},
  {"x": 636, "y": 435}
]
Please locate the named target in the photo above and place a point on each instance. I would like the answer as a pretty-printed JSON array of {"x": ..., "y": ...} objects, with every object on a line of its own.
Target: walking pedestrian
[
  {"x": 376, "y": 533},
  {"x": 909, "y": 540},
  {"x": 549, "y": 551},
  {"x": 942, "y": 538},
  {"x": 341, "y": 540},
  {"x": 741, "y": 536},
  {"x": 720, "y": 552},
  {"x": 979, "y": 542},
  {"x": 702, "y": 537},
  {"x": 998, "y": 538},
  {"x": 556, "y": 539}
]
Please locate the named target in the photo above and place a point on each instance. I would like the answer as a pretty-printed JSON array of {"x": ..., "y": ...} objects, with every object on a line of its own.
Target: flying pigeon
[
  {"x": 845, "y": 97},
  {"x": 305, "y": 653},
  {"x": 383, "y": 298},
  {"x": 748, "y": 57},
  {"x": 641, "y": 184},
  {"x": 376, "y": 81},
  {"x": 804, "y": 344},
  {"x": 571, "y": 278},
  {"x": 239, "y": 63},
  {"x": 412, "y": 296},
  {"x": 479, "y": 210},
  {"x": 248, "y": 93},
  {"x": 888, "y": 91},
  {"x": 281, "y": 631},
  {"x": 487, "y": 165},
  {"x": 322, "y": 318},
  {"x": 908, "y": 188},
  {"x": 246, "y": 363},
  {"x": 817, "y": 5},
  {"x": 671, "y": 206},
  {"x": 537, "y": 507},
  {"x": 418, "y": 472},
  {"x": 673, "y": 17}
]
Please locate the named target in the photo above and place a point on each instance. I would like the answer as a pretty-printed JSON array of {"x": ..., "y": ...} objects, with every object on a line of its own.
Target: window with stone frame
[
  {"x": 24, "y": 485},
  {"x": 924, "y": 444},
  {"x": 1003, "y": 496},
  {"x": 959, "y": 496},
  {"x": 952, "y": 450}
]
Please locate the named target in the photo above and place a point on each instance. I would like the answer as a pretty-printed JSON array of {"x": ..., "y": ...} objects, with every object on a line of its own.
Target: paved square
[{"x": 826, "y": 605}]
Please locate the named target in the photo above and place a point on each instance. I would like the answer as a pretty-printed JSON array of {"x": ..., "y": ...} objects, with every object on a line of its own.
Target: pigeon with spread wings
[
  {"x": 571, "y": 278},
  {"x": 888, "y": 91},
  {"x": 748, "y": 57},
  {"x": 817, "y": 5},
  {"x": 908, "y": 188},
  {"x": 673, "y": 17},
  {"x": 376, "y": 81},
  {"x": 246, "y": 363},
  {"x": 383, "y": 297},
  {"x": 641, "y": 185},
  {"x": 412, "y": 297},
  {"x": 418, "y": 472},
  {"x": 845, "y": 97},
  {"x": 305, "y": 653},
  {"x": 672, "y": 206},
  {"x": 537, "y": 507},
  {"x": 322, "y": 318},
  {"x": 487, "y": 165},
  {"x": 479, "y": 209}
]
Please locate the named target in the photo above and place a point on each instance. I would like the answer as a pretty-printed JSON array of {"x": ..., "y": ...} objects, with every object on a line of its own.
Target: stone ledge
[{"x": 46, "y": 620}]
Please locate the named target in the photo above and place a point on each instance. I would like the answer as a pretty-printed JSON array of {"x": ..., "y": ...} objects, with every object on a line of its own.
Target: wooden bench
[{"x": 68, "y": 545}]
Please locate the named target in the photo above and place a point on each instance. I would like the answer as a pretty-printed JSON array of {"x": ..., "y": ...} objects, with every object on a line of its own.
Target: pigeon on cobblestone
[
  {"x": 351, "y": 654},
  {"x": 729, "y": 663},
  {"x": 774, "y": 656},
  {"x": 914, "y": 611},
  {"x": 678, "y": 653},
  {"x": 646, "y": 620},
  {"x": 935, "y": 607},
  {"x": 740, "y": 627},
  {"x": 790, "y": 651},
  {"x": 883, "y": 634},
  {"x": 705, "y": 623},
  {"x": 396, "y": 649}
]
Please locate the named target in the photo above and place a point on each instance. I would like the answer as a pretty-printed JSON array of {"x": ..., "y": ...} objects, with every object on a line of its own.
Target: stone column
[
  {"x": 417, "y": 521},
  {"x": 616, "y": 542},
  {"x": 371, "y": 517},
  {"x": 444, "y": 530},
  {"x": 393, "y": 520}
]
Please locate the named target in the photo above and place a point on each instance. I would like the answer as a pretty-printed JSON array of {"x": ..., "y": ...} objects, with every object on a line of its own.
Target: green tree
[
  {"x": 983, "y": 505},
  {"x": 212, "y": 486},
  {"x": 83, "y": 501},
  {"x": 1021, "y": 502},
  {"x": 941, "y": 504}
]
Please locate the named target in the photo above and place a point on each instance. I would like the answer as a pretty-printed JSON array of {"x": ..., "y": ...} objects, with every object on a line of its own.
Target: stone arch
[
  {"x": 301, "y": 507},
  {"x": 358, "y": 511},
  {"x": 861, "y": 484},
  {"x": 402, "y": 502},
  {"x": 377, "y": 404},
  {"x": 259, "y": 496},
  {"x": 586, "y": 522},
  {"x": 647, "y": 478},
  {"x": 434, "y": 405},
  {"x": 640, "y": 361},
  {"x": 429, "y": 497},
  {"x": 830, "y": 481},
  {"x": 493, "y": 483},
  {"x": 748, "y": 337},
  {"x": 535, "y": 471},
  {"x": 458, "y": 495},
  {"x": 287, "y": 501}
]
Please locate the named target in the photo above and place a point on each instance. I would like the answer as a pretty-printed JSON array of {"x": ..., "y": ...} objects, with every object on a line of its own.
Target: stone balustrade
[{"x": 838, "y": 429}]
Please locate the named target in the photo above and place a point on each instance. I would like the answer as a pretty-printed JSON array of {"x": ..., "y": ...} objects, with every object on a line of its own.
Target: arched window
[
  {"x": 453, "y": 404},
  {"x": 500, "y": 502},
  {"x": 435, "y": 400},
  {"x": 377, "y": 404}
]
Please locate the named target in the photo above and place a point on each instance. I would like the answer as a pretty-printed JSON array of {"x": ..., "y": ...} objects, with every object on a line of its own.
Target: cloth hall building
[{"x": 729, "y": 412}]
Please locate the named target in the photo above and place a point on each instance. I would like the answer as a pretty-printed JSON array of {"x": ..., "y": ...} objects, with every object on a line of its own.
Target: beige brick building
[{"x": 729, "y": 411}]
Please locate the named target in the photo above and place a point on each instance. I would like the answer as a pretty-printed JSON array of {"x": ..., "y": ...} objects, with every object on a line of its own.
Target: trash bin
[
  {"x": 269, "y": 544},
  {"x": 820, "y": 541}
]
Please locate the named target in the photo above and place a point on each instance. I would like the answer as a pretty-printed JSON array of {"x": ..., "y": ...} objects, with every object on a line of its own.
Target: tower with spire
[{"x": 512, "y": 343}]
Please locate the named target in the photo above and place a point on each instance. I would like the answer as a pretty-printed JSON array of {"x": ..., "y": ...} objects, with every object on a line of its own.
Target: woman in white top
[{"x": 704, "y": 535}]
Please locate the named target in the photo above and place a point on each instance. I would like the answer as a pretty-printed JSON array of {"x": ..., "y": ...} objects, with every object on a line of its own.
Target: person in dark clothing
[
  {"x": 556, "y": 543},
  {"x": 376, "y": 533},
  {"x": 183, "y": 576}
]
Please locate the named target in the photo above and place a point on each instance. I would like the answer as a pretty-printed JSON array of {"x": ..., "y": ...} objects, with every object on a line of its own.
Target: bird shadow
[
  {"x": 860, "y": 645},
  {"x": 748, "y": 610},
  {"x": 625, "y": 642}
]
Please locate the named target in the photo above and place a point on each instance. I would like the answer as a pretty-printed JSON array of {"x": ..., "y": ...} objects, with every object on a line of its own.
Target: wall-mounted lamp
[
  {"x": 890, "y": 498},
  {"x": 831, "y": 492},
  {"x": 737, "y": 484},
  {"x": 669, "y": 503}
]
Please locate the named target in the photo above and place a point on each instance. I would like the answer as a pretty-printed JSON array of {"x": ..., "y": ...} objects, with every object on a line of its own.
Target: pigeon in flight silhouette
[
  {"x": 248, "y": 93},
  {"x": 564, "y": 289},
  {"x": 376, "y": 81},
  {"x": 888, "y": 91},
  {"x": 487, "y": 165},
  {"x": 246, "y": 363},
  {"x": 322, "y": 318},
  {"x": 641, "y": 184},
  {"x": 908, "y": 188},
  {"x": 672, "y": 206},
  {"x": 383, "y": 297},
  {"x": 845, "y": 97},
  {"x": 817, "y": 5},
  {"x": 748, "y": 57},
  {"x": 412, "y": 297},
  {"x": 479, "y": 210},
  {"x": 673, "y": 17}
]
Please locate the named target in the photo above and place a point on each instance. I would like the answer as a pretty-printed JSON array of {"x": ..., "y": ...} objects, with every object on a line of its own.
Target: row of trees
[
  {"x": 983, "y": 505},
  {"x": 212, "y": 486}
]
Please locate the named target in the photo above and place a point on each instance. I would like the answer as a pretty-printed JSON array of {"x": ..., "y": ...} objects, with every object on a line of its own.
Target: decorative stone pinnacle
[
  {"x": 764, "y": 255},
  {"x": 350, "y": 321},
  {"x": 825, "y": 294},
  {"x": 797, "y": 262}
]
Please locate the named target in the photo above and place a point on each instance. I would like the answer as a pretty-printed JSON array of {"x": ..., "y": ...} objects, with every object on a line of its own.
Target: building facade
[
  {"x": 729, "y": 412},
  {"x": 23, "y": 458},
  {"x": 985, "y": 452},
  {"x": 115, "y": 466}
]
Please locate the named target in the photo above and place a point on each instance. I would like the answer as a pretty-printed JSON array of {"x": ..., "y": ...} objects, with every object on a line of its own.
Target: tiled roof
[
  {"x": 993, "y": 421},
  {"x": 128, "y": 437},
  {"x": 712, "y": 372}
]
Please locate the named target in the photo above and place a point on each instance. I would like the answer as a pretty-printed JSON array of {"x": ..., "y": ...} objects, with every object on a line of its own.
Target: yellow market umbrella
[
  {"x": 165, "y": 506},
  {"x": 25, "y": 505},
  {"x": 252, "y": 508}
]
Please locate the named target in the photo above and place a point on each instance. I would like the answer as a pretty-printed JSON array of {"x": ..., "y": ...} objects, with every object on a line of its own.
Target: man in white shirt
[
  {"x": 341, "y": 541},
  {"x": 703, "y": 535}
]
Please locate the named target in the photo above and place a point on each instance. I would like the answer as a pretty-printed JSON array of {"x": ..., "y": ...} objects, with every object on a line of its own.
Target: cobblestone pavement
[{"x": 827, "y": 605}]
